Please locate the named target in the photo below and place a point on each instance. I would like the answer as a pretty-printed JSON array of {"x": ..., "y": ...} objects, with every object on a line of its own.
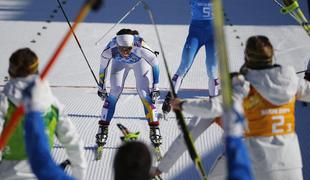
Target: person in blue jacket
[{"x": 200, "y": 34}]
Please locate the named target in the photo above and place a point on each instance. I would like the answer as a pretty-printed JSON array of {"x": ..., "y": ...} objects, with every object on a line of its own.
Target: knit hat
[
  {"x": 124, "y": 40},
  {"x": 258, "y": 53},
  {"x": 23, "y": 62}
]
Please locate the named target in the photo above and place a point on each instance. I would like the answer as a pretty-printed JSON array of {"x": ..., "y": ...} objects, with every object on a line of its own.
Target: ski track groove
[{"x": 84, "y": 107}]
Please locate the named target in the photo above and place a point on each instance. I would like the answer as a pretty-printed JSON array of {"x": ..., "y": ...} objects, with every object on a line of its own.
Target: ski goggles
[{"x": 124, "y": 48}]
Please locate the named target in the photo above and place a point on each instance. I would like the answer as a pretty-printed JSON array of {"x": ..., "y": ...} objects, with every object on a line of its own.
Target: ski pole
[
  {"x": 291, "y": 14},
  {"x": 119, "y": 21},
  {"x": 179, "y": 116},
  {"x": 229, "y": 112},
  {"x": 16, "y": 116},
  {"x": 292, "y": 7},
  {"x": 77, "y": 41},
  {"x": 301, "y": 71}
]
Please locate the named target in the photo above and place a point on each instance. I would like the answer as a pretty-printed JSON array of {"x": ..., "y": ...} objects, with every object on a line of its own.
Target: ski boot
[
  {"x": 166, "y": 108},
  {"x": 214, "y": 86},
  {"x": 156, "y": 140},
  {"x": 101, "y": 138}
]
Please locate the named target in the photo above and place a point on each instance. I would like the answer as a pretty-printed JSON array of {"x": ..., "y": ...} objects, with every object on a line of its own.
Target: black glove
[
  {"x": 102, "y": 92},
  {"x": 156, "y": 53},
  {"x": 155, "y": 95},
  {"x": 307, "y": 75}
]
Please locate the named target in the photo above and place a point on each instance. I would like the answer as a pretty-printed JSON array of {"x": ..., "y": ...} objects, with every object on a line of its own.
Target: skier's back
[{"x": 200, "y": 34}]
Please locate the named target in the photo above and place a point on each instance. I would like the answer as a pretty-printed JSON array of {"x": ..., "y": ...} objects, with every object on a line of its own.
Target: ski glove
[
  {"x": 155, "y": 94},
  {"x": 102, "y": 92},
  {"x": 307, "y": 75},
  {"x": 241, "y": 87},
  {"x": 156, "y": 53},
  {"x": 36, "y": 95}
]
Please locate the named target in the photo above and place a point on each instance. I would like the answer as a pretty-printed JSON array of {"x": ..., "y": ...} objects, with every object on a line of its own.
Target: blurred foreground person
[
  {"x": 37, "y": 146},
  {"x": 269, "y": 107},
  {"x": 23, "y": 69},
  {"x": 133, "y": 160},
  {"x": 239, "y": 167}
]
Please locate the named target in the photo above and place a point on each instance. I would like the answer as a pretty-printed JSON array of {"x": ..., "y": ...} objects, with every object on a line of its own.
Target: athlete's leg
[
  {"x": 212, "y": 64},
  {"x": 141, "y": 71},
  {"x": 189, "y": 52},
  {"x": 119, "y": 73}
]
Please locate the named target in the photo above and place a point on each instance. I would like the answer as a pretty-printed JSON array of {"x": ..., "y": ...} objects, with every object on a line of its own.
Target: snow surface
[{"x": 42, "y": 23}]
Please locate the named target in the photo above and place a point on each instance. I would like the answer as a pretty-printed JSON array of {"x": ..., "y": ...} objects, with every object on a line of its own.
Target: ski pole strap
[{"x": 289, "y": 9}]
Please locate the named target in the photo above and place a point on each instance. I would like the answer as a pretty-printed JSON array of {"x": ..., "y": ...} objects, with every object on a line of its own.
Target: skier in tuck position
[
  {"x": 127, "y": 52},
  {"x": 200, "y": 33}
]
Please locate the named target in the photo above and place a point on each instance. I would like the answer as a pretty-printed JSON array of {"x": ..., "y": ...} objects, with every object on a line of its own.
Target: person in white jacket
[
  {"x": 36, "y": 141},
  {"x": 269, "y": 106},
  {"x": 23, "y": 69},
  {"x": 239, "y": 166}
]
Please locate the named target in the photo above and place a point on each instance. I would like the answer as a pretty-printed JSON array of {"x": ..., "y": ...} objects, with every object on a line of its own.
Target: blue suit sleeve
[
  {"x": 37, "y": 148},
  {"x": 238, "y": 160}
]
